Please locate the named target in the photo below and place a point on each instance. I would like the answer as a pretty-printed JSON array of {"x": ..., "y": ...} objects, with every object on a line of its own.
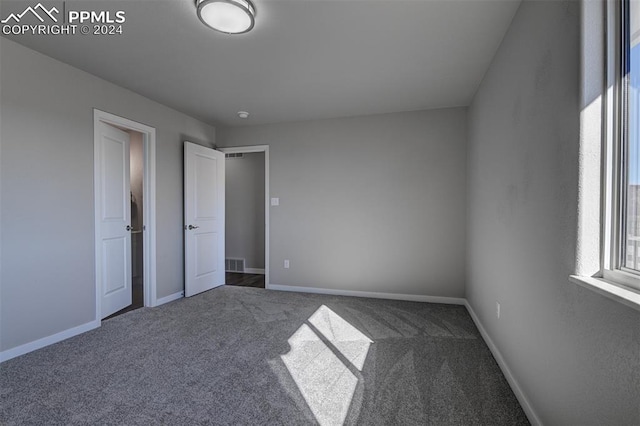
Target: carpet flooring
[{"x": 238, "y": 355}]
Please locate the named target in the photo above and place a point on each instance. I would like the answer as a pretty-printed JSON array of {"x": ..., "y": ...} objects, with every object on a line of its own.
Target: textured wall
[
  {"x": 575, "y": 354},
  {"x": 373, "y": 203},
  {"x": 244, "y": 206},
  {"x": 47, "y": 217}
]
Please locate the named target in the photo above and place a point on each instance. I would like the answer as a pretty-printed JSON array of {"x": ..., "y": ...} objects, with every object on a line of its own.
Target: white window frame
[
  {"x": 613, "y": 184},
  {"x": 612, "y": 280}
]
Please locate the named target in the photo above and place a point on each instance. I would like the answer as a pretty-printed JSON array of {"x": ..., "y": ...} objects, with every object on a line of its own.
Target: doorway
[
  {"x": 247, "y": 216},
  {"x": 136, "y": 194},
  {"x": 124, "y": 179}
]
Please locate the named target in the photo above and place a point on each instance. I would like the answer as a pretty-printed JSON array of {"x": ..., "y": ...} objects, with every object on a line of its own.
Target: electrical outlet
[
  {"x": 275, "y": 201},
  {"x": 286, "y": 264},
  {"x": 498, "y": 310}
]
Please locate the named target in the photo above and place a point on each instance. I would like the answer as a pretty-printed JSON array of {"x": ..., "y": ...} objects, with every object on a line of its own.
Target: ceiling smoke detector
[
  {"x": 243, "y": 114},
  {"x": 227, "y": 16}
]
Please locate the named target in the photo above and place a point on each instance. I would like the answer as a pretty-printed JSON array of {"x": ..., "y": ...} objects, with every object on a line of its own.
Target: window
[
  {"x": 608, "y": 237},
  {"x": 630, "y": 109},
  {"x": 622, "y": 185}
]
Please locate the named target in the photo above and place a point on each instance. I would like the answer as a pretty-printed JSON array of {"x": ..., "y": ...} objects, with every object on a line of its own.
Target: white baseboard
[
  {"x": 374, "y": 295},
  {"x": 169, "y": 298},
  {"x": 63, "y": 335},
  {"x": 254, "y": 271},
  {"x": 46, "y": 341},
  {"x": 515, "y": 386}
]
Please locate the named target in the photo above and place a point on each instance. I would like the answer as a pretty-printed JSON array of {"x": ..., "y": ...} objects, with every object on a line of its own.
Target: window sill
[{"x": 617, "y": 292}]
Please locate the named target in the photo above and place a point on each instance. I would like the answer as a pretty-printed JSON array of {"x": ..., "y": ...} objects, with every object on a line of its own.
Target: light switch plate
[{"x": 275, "y": 201}]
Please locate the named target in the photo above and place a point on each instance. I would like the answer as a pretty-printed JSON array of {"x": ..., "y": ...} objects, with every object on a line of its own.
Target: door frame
[
  {"x": 265, "y": 149},
  {"x": 148, "y": 203}
]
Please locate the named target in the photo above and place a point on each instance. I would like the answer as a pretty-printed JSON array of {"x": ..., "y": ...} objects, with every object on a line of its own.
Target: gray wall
[
  {"x": 46, "y": 170},
  {"x": 244, "y": 209},
  {"x": 575, "y": 353},
  {"x": 373, "y": 203}
]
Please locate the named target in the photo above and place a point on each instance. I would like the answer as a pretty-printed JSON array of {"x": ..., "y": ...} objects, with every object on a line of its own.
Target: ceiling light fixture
[
  {"x": 243, "y": 114},
  {"x": 227, "y": 16}
]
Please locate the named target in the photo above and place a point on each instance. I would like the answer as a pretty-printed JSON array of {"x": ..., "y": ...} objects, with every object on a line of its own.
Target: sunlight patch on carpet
[
  {"x": 346, "y": 338},
  {"x": 324, "y": 380}
]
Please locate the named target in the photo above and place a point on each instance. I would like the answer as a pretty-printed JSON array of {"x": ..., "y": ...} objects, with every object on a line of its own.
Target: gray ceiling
[{"x": 305, "y": 59}]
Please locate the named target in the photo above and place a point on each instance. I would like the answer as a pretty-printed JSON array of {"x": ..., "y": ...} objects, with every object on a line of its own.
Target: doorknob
[
  {"x": 128, "y": 228},
  {"x": 193, "y": 227}
]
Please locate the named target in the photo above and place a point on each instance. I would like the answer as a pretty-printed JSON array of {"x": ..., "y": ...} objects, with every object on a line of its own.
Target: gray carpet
[{"x": 248, "y": 356}]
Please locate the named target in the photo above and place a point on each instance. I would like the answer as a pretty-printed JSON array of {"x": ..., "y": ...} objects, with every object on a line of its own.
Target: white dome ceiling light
[
  {"x": 243, "y": 115},
  {"x": 227, "y": 16}
]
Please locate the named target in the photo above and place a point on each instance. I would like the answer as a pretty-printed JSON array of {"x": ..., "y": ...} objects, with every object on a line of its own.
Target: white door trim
[
  {"x": 267, "y": 206},
  {"x": 149, "y": 202}
]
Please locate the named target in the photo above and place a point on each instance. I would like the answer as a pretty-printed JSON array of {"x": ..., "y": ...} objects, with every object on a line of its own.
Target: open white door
[
  {"x": 114, "y": 210},
  {"x": 204, "y": 218}
]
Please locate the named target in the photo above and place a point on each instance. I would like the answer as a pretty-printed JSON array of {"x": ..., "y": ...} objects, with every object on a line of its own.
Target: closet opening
[{"x": 246, "y": 213}]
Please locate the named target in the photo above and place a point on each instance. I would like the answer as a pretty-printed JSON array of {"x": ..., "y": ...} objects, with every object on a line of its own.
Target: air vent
[
  {"x": 234, "y": 265},
  {"x": 234, "y": 155}
]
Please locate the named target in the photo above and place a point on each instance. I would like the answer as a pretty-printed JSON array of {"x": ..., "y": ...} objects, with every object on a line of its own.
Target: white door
[
  {"x": 204, "y": 218},
  {"x": 114, "y": 207}
]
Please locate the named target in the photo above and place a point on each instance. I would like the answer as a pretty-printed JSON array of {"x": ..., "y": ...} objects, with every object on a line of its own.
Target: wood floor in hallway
[{"x": 245, "y": 280}]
